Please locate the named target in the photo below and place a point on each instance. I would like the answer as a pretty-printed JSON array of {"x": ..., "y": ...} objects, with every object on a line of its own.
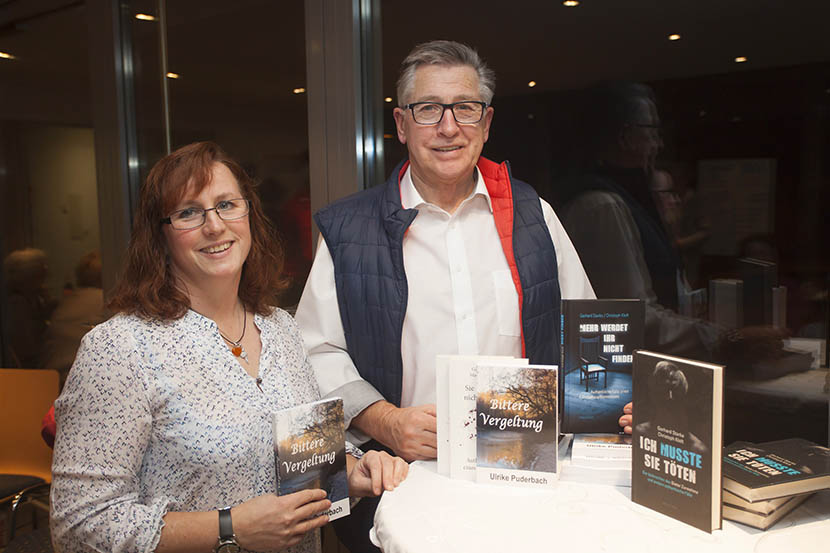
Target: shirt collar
[{"x": 412, "y": 199}]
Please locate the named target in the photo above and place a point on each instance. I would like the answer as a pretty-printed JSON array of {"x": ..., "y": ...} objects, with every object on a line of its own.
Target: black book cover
[
  {"x": 677, "y": 438},
  {"x": 310, "y": 452},
  {"x": 757, "y": 472},
  {"x": 759, "y": 277},
  {"x": 598, "y": 339}
]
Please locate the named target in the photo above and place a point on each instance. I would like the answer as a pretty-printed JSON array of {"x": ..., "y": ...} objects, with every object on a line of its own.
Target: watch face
[{"x": 229, "y": 546}]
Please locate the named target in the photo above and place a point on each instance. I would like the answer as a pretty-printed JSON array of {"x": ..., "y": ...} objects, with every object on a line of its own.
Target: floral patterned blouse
[{"x": 160, "y": 416}]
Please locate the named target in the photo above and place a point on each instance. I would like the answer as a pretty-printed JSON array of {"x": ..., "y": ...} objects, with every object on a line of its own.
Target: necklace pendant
[
  {"x": 243, "y": 354},
  {"x": 238, "y": 351}
]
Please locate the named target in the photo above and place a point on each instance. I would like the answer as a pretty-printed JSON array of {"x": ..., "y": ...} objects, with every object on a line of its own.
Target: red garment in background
[{"x": 48, "y": 428}]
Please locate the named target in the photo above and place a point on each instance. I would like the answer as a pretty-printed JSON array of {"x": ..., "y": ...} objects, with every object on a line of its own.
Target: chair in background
[
  {"x": 592, "y": 362},
  {"x": 25, "y": 459}
]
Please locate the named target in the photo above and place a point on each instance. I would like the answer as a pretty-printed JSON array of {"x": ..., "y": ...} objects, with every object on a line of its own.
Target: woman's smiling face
[{"x": 217, "y": 249}]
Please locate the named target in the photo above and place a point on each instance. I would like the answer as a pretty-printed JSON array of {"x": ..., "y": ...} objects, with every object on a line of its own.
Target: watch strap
[{"x": 225, "y": 524}]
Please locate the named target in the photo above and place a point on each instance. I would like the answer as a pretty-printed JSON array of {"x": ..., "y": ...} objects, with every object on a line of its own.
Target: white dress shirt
[{"x": 462, "y": 299}]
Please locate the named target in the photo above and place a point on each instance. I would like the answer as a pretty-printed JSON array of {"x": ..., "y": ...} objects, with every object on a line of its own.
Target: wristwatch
[{"x": 227, "y": 539}]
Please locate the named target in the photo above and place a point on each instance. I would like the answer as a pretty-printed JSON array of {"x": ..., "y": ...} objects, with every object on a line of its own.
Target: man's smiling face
[{"x": 443, "y": 154}]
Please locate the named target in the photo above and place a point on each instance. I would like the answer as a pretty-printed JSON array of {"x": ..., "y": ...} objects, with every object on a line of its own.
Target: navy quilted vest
[{"x": 364, "y": 233}]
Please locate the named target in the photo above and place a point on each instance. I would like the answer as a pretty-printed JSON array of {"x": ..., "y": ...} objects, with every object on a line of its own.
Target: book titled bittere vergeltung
[{"x": 310, "y": 452}]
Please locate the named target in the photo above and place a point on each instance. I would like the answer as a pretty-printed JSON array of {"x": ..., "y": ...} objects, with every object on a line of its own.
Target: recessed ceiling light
[
  {"x": 740, "y": 59},
  {"x": 531, "y": 84},
  {"x": 299, "y": 90},
  {"x": 7, "y": 56},
  {"x": 145, "y": 17},
  {"x": 571, "y": 3},
  {"x": 172, "y": 75},
  {"x": 388, "y": 99},
  {"x": 674, "y": 37}
]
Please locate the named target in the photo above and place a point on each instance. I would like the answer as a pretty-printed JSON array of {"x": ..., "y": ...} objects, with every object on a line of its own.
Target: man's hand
[
  {"x": 625, "y": 420},
  {"x": 409, "y": 431}
]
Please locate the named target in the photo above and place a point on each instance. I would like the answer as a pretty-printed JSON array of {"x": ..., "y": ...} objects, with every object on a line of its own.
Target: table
[{"x": 430, "y": 513}]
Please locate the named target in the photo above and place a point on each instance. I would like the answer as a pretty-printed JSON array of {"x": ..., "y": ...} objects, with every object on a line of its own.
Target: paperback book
[
  {"x": 598, "y": 339},
  {"x": 310, "y": 452},
  {"x": 763, "y": 520},
  {"x": 599, "y": 459},
  {"x": 602, "y": 451},
  {"x": 677, "y": 438},
  {"x": 758, "y": 472},
  {"x": 456, "y": 411},
  {"x": 517, "y": 430},
  {"x": 758, "y": 507}
]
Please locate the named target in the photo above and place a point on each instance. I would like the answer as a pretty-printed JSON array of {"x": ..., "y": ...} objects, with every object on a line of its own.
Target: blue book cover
[{"x": 598, "y": 339}]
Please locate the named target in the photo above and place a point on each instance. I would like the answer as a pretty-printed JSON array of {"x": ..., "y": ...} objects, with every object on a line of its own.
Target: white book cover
[
  {"x": 462, "y": 410},
  {"x": 517, "y": 425},
  {"x": 442, "y": 414},
  {"x": 607, "y": 451}
]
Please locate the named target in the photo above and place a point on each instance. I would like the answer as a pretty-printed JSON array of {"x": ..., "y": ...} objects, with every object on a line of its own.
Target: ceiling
[{"x": 254, "y": 50}]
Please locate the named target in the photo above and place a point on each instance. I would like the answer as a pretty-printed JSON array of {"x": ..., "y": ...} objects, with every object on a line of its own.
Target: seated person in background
[
  {"x": 164, "y": 422},
  {"x": 76, "y": 314},
  {"x": 451, "y": 256},
  {"x": 30, "y": 304}
]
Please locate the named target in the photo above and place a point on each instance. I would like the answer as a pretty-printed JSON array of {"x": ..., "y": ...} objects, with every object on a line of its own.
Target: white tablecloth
[{"x": 430, "y": 513}]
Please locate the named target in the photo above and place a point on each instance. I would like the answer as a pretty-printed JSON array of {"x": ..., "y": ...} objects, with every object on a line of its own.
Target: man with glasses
[{"x": 451, "y": 255}]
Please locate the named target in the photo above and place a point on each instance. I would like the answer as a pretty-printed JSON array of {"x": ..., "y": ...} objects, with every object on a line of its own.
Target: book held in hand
[
  {"x": 598, "y": 339},
  {"x": 757, "y": 472},
  {"x": 516, "y": 423},
  {"x": 310, "y": 452},
  {"x": 677, "y": 438}
]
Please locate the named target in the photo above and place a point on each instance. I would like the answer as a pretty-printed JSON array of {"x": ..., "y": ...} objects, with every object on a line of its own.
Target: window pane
[
  {"x": 48, "y": 183},
  {"x": 722, "y": 156},
  {"x": 236, "y": 76}
]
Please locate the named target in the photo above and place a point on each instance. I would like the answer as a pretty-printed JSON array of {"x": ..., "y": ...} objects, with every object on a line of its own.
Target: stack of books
[
  {"x": 599, "y": 459},
  {"x": 766, "y": 481}
]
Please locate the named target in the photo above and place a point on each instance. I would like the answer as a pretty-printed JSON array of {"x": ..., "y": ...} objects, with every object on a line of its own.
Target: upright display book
[
  {"x": 758, "y": 472},
  {"x": 677, "y": 438},
  {"x": 310, "y": 452},
  {"x": 598, "y": 340},
  {"x": 516, "y": 423}
]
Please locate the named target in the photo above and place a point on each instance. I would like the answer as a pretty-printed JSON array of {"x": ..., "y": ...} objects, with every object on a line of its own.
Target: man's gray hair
[{"x": 449, "y": 53}]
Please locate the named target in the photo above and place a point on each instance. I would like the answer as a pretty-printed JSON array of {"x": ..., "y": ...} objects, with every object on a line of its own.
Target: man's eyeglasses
[
  {"x": 193, "y": 217},
  {"x": 465, "y": 113}
]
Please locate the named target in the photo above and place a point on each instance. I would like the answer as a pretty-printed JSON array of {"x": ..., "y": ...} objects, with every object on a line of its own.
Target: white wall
[{"x": 60, "y": 162}]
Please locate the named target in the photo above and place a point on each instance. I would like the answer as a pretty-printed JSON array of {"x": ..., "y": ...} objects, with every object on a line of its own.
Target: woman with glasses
[{"x": 164, "y": 436}]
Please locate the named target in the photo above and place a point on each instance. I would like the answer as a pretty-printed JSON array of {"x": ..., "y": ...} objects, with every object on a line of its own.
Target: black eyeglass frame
[
  {"x": 169, "y": 219},
  {"x": 484, "y": 106}
]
